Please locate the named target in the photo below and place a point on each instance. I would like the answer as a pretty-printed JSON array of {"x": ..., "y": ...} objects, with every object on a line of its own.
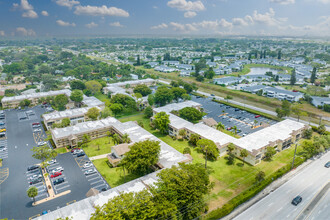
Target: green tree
[
  {"x": 260, "y": 176},
  {"x": 293, "y": 78},
  {"x": 141, "y": 157},
  {"x": 116, "y": 108},
  {"x": 126, "y": 138},
  {"x": 144, "y": 90},
  {"x": 136, "y": 205},
  {"x": 191, "y": 114},
  {"x": 127, "y": 101},
  {"x": 151, "y": 99},
  {"x": 93, "y": 86},
  {"x": 105, "y": 112},
  {"x": 194, "y": 138},
  {"x": 244, "y": 153},
  {"x": 220, "y": 126},
  {"x": 116, "y": 139},
  {"x": 209, "y": 74},
  {"x": 163, "y": 95},
  {"x": 161, "y": 121},
  {"x": 24, "y": 103},
  {"x": 235, "y": 129},
  {"x": 93, "y": 113},
  {"x": 188, "y": 87},
  {"x": 60, "y": 101},
  {"x": 297, "y": 110},
  {"x": 270, "y": 152},
  {"x": 308, "y": 147},
  {"x": 183, "y": 133},
  {"x": 186, "y": 150},
  {"x": 42, "y": 153},
  {"x": 178, "y": 93},
  {"x": 308, "y": 133},
  {"x": 77, "y": 84},
  {"x": 209, "y": 148},
  {"x": 186, "y": 97},
  {"x": 86, "y": 138},
  {"x": 185, "y": 186},
  {"x": 76, "y": 96},
  {"x": 286, "y": 107},
  {"x": 32, "y": 192},
  {"x": 65, "y": 122},
  {"x": 148, "y": 113},
  {"x": 49, "y": 81},
  {"x": 313, "y": 76}
]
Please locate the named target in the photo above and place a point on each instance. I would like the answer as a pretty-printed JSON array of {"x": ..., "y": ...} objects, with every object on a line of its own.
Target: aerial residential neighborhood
[{"x": 176, "y": 109}]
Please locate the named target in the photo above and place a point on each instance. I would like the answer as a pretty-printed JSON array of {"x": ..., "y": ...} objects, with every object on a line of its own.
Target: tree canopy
[
  {"x": 191, "y": 114},
  {"x": 116, "y": 108},
  {"x": 125, "y": 100},
  {"x": 144, "y": 90},
  {"x": 93, "y": 86},
  {"x": 60, "y": 101},
  {"x": 163, "y": 95},
  {"x": 93, "y": 113},
  {"x": 77, "y": 84},
  {"x": 161, "y": 121},
  {"x": 141, "y": 157},
  {"x": 76, "y": 96}
]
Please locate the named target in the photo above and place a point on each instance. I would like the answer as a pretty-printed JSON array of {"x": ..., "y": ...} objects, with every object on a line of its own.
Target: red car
[
  {"x": 36, "y": 123},
  {"x": 74, "y": 149},
  {"x": 257, "y": 116},
  {"x": 56, "y": 174}
]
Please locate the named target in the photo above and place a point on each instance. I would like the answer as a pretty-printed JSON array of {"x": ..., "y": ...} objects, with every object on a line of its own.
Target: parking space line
[
  {"x": 98, "y": 186},
  {"x": 63, "y": 187},
  {"x": 89, "y": 179},
  {"x": 93, "y": 183}
]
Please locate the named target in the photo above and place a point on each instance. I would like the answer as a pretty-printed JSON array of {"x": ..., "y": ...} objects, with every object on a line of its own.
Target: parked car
[
  {"x": 35, "y": 126},
  {"x": 2, "y": 123},
  {"x": 104, "y": 189},
  {"x": 81, "y": 154},
  {"x": 51, "y": 161},
  {"x": 58, "y": 181},
  {"x": 42, "y": 143},
  {"x": 296, "y": 200},
  {"x": 77, "y": 152},
  {"x": 36, "y": 176},
  {"x": 56, "y": 174},
  {"x": 37, "y": 180},
  {"x": 90, "y": 171},
  {"x": 3, "y": 149},
  {"x": 88, "y": 164},
  {"x": 58, "y": 169},
  {"x": 257, "y": 116},
  {"x": 74, "y": 149},
  {"x": 36, "y": 123},
  {"x": 236, "y": 109},
  {"x": 33, "y": 167},
  {"x": 327, "y": 165},
  {"x": 37, "y": 130}
]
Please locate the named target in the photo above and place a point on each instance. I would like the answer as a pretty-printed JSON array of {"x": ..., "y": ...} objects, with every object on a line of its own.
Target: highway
[{"x": 307, "y": 184}]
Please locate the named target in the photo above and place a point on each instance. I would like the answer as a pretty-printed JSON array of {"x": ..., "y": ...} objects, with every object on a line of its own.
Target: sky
[{"x": 39, "y": 18}]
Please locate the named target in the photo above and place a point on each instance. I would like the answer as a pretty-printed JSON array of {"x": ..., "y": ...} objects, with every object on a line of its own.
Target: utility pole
[{"x": 294, "y": 156}]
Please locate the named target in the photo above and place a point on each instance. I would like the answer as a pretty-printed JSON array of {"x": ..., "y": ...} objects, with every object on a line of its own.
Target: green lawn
[
  {"x": 61, "y": 150},
  {"x": 113, "y": 176},
  {"x": 99, "y": 146}
]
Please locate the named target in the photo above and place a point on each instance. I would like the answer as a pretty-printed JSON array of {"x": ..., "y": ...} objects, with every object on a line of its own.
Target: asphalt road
[
  {"x": 321, "y": 211},
  {"x": 14, "y": 203},
  {"x": 307, "y": 184}
]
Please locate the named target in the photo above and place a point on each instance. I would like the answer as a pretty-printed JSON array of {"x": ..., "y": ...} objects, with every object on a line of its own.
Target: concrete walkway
[{"x": 99, "y": 157}]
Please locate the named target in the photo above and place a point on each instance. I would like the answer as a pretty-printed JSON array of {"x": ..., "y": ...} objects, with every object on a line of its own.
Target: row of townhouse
[
  {"x": 280, "y": 135},
  {"x": 14, "y": 101},
  {"x": 273, "y": 92}
]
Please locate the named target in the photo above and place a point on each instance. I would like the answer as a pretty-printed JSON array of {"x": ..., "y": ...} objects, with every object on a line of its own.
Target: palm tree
[
  {"x": 244, "y": 153},
  {"x": 220, "y": 126},
  {"x": 32, "y": 192},
  {"x": 126, "y": 138},
  {"x": 255, "y": 123},
  {"x": 235, "y": 129},
  {"x": 109, "y": 135},
  {"x": 116, "y": 139},
  {"x": 231, "y": 147},
  {"x": 182, "y": 133}
]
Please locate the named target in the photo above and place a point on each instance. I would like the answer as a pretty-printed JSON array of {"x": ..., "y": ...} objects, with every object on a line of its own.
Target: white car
[
  {"x": 3, "y": 149},
  {"x": 58, "y": 169},
  {"x": 88, "y": 164},
  {"x": 77, "y": 152},
  {"x": 42, "y": 143},
  {"x": 36, "y": 176},
  {"x": 90, "y": 171},
  {"x": 37, "y": 130},
  {"x": 51, "y": 161}
]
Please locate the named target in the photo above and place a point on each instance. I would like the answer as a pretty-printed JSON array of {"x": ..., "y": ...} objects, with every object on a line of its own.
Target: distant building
[
  {"x": 226, "y": 80},
  {"x": 320, "y": 101}
]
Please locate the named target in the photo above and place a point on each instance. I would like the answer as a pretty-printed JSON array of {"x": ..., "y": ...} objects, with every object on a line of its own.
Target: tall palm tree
[
  {"x": 244, "y": 153},
  {"x": 231, "y": 147},
  {"x": 235, "y": 129},
  {"x": 116, "y": 139},
  {"x": 220, "y": 126},
  {"x": 126, "y": 139}
]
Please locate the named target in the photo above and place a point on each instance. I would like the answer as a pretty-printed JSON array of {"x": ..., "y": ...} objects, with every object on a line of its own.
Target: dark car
[
  {"x": 236, "y": 109},
  {"x": 37, "y": 180},
  {"x": 58, "y": 181},
  {"x": 327, "y": 165},
  {"x": 296, "y": 200},
  {"x": 33, "y": 167},
  {"x": 80, "y": 154}
]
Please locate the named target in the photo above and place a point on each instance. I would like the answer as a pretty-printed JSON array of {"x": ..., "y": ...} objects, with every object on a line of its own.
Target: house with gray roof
[
  {"x": 320, "y": 101},
  {"x": 226, "y": 80}
]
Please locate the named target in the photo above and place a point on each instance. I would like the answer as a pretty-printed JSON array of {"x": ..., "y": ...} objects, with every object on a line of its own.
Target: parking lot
[
  {"x": 245, "y": 122},
  {"x": 15, "y": 179},
  {"x": 3, "y": 149}
]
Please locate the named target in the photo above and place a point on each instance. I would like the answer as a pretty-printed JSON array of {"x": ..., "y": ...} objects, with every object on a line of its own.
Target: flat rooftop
[
  {"x": 279, "y": 131},
  {"x": 176, "y": 106},
  {"x": 67, "y": 113},
  {"x": 67, "y": 92}
]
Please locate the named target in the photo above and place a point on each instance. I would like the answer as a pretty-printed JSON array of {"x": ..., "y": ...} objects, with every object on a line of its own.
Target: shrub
[{"x": 187, "y": 150}]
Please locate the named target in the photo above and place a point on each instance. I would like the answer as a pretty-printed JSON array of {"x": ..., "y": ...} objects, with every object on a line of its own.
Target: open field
[{"x": 98, "y": 146}]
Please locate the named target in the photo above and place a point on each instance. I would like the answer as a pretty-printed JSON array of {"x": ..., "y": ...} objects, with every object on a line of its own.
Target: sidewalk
[
  {"x": 273, "y": 186},
  {"x": 99, "y": 157}
]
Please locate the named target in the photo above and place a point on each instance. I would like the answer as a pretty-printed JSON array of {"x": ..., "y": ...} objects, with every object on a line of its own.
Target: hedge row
[
  {"x": 248, "y": 110},
  {"x": 252, "y": 191}
]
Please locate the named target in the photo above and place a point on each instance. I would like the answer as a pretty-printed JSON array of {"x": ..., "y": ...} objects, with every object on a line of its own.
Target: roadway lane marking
[
  {"x": 288, "y": 216},
  {"x": 270, "y": 204},
  {"x": 279, "y": 209}
]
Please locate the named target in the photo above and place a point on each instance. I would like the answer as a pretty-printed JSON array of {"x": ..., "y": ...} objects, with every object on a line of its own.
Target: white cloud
[
  {"x": 27, "y": 9},
  {"x": 67, "y": 3},
  {"x": 190, "y": 14},
  {"x": 25, "y": 32},
  {"x": 268, "y": 18},
  {"x": 91, "y": 25},
  {"x": 2, "y": 33},
  {"x": 65, "y": 24},
  {"x": 184, "y": 5},
  {"x": 239, "y": 22},
  {"x": 324, "y": 1},
  {"x": 161, "y": 26},
  {"x": 283, "y": 2},
  {"x": 100, "y": 11},
  {"x": 155, "y": 7},
  {"x": 44, "y": 13},
  {"x": 116, "y": 24}
]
